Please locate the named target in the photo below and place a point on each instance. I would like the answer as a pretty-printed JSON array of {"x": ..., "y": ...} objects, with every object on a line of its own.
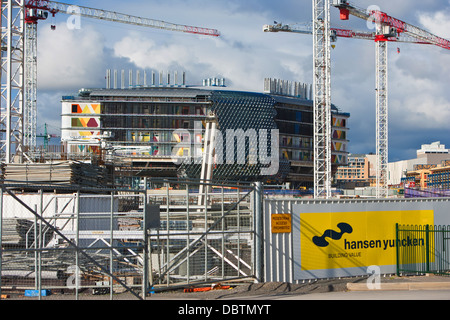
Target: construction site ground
[
  {"x": 283, "y": 289},
  {"x": 268, "y": 290}
]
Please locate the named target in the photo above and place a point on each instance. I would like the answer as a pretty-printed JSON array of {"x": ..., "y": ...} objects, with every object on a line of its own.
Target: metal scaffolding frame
[
  {"x": 382, "y": 118},
  {"x": 322, "y": 98},
  {"x": 12, "y": 80},
  {"x": 128, "y": 240}
]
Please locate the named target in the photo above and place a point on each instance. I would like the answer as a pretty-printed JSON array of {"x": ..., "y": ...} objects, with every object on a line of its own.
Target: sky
[{"x": 419, "y": 76}]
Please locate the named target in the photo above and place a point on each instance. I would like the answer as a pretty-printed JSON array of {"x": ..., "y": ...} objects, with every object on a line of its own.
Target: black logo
[{"x": 322, "y": 242}]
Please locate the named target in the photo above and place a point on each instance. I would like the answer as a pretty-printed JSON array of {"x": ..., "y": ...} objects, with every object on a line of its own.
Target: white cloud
[
  {"x": 422, "y": 112},
  {"x": 437, "y": 23},
  {"x": 49, "y": 110},
  {"x": 244, "y": 54},
  {"x": 69, "y": 59}
]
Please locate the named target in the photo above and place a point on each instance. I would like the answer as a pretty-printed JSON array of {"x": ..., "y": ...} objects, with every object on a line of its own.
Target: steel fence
[
  {"x": 70, "y": 243},
  {"x": 423, "y": 249},
  {"x": 106, "y": 242},
  {"x": 206, "y": 234}
]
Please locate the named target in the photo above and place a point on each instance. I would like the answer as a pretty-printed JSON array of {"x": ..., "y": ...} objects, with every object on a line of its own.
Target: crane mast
[
  {"x": 19, "y": 65},
  {"x": 322, "y": 98},
  {"x": 12, "y": 80},
  {"x": 382, "y": 116}
]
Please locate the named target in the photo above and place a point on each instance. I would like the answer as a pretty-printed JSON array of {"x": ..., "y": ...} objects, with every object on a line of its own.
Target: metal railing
[{"x": 423, "y": 249}]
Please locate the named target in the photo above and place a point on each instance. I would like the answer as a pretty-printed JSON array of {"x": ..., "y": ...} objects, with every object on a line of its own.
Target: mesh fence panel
[
  {"x": 79, "y": 245},
  {"x": 202, "y": 241},
  {"x": 69, "y": 244}
]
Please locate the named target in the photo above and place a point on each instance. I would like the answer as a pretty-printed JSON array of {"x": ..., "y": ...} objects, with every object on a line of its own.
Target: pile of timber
[{"x": 66, "y": 173}]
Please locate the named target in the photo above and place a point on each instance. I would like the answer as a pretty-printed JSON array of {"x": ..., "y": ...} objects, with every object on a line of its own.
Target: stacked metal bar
[
  {"x": 16, "y": 233},
  {"x": 68, "y": 173}
]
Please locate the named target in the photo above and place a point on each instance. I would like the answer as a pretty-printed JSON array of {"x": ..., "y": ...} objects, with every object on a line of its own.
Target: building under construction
[{"x": 159, "y": 131}]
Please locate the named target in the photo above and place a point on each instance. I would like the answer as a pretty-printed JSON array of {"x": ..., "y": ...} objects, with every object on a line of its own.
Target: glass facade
[{"x": 251, "y": 115}]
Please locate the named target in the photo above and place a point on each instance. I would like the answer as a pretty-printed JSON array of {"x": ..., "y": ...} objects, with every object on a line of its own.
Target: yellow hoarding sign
[
  {"x": 332, "y": 240},
  {"x": 281, "y": 223}
]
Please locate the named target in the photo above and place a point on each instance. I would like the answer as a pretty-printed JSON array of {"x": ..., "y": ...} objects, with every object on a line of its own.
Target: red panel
[{"x": 92, "y": 123}]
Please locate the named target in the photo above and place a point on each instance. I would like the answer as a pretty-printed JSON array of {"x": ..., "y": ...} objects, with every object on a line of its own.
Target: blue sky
[{"x": 419, "y": 99}]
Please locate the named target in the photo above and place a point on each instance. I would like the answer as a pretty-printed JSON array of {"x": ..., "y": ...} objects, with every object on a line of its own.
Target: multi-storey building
[
  {"x": 428, "y": 176},
  {"x": 160, "y": 131},
  {"x": 357, "y": 170},
  {"x": 440, "y": 177},
  {"x": 295, "y": 121},
  {"x": 428, "y": 156}
]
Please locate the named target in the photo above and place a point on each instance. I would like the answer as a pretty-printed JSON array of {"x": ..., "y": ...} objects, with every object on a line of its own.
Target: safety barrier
[
  {"x": 423, "y": 249},
  {"x": 59, "y": 240}
]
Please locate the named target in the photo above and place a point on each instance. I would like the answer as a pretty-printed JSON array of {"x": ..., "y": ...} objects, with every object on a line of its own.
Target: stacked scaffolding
[{"x": 67, "y": 173}]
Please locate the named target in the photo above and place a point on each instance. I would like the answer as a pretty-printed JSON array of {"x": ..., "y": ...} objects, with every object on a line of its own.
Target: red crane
[{"x": 387, "y": 29}]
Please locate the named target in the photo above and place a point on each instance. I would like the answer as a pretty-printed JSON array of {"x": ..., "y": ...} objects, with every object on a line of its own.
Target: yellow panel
[
  {"x": 96, "y": 108},
  {"x": 84, "y": 121},
  {"x": 85, "y": 133},
  {"x": 334, "y": 240}
]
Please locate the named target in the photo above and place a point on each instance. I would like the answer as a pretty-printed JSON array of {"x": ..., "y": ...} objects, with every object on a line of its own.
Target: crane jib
[
  {"x": 204, "y": 31},
  {"x": 381, "y": 17},
  {"x": 54, "y": 7}
]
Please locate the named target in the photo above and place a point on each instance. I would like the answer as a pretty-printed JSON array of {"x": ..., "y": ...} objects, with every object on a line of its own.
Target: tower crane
[
  {"x": 46, "y": 136},
  {"x": 19, "y": 64},
  {"x": 335, "y": 33},
  {"x": 322, "y": 98},
  {"x": 388, "y": 29}
]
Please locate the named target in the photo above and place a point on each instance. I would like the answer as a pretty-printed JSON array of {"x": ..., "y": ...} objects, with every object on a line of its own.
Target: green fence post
[
  {"x": 427, "y": 248},
  {"x": 397, "y": 249}
]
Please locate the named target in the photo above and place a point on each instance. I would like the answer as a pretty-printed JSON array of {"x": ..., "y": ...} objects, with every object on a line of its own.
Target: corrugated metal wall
[
  {"x": 282, "y": 254},
  {"x": 278, "y": 247}
]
